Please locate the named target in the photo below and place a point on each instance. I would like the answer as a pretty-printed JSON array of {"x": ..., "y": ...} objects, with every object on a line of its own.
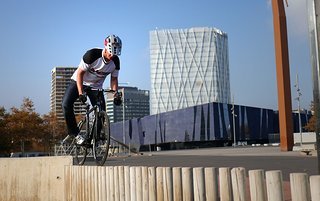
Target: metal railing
[{"x": 116, "y": 148}]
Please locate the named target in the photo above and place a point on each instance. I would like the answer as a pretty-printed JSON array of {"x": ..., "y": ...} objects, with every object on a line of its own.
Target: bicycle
[{"x": 98, "y": 139}]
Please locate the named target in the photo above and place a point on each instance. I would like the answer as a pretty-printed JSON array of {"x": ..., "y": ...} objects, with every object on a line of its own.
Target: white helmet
[{"x": 113, "y": 44}]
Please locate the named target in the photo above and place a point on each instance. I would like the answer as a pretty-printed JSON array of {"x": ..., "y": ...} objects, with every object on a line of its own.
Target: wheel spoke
[
  {"x": 81, "y": 151},
  {"x": 101, "y": 142}
]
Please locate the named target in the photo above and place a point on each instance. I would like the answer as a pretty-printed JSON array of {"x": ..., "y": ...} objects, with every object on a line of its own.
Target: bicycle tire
[
  {"x": 101, "y": 142},
  {"x": 81, "y": 151}
]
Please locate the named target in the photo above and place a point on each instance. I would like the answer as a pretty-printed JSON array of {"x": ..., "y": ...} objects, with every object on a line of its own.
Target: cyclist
[{"x": 95, "y": 65}]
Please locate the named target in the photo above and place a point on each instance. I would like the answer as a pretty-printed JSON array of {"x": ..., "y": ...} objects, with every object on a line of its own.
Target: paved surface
[{"x": 266, "y": 158}]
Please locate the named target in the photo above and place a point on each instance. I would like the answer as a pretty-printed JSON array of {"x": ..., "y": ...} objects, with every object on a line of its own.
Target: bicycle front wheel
[
  {"x": 101, "y": 140},
  {"x": 81, "y": 151}
]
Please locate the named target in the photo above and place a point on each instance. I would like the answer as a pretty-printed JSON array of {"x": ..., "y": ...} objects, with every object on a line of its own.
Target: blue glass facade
[{"x": 206, "y": 122}]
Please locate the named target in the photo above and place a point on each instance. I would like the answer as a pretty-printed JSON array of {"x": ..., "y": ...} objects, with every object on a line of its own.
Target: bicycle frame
[
  {"x": 96, "y": 109},
  {"x": 97, "y": 132},
  {"x": 89, "y": 110}
]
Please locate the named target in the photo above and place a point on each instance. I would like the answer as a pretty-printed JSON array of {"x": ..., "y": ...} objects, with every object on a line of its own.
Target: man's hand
[{"x": 83, "y": 98}]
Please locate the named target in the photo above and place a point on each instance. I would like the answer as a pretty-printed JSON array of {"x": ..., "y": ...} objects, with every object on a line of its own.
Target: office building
[
  {"x": 188, "y": 67},
  {"x": 135, "y": 104},
  {"x": 60, "y": 79}
]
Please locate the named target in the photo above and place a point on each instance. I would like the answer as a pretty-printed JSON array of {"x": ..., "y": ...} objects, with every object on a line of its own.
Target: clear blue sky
[{"x": 38, "y": 35}]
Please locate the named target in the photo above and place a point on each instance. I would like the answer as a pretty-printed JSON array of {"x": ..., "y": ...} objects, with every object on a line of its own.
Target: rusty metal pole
[{"x": 283, "y": 75}]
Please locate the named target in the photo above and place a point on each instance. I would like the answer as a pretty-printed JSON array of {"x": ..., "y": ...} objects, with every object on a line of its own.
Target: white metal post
[
  {"x": 234, "y": 123},
  {"x": 299, "y": 110},
  {"x": 123, "y": 117}
]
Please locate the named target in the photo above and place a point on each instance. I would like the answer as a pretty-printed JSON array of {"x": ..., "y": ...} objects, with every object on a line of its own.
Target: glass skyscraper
[
  {"x": 135, "y": 104},
  {"x": 188, "y": 67}
]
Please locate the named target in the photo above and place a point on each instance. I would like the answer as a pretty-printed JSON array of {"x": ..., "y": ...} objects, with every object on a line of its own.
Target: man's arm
[
  {"x": 114, "y": 83},
  {"x": 80, "y": 75}
]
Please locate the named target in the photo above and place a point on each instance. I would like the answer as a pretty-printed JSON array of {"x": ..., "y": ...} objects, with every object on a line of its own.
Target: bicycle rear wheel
[
  {"x": 101, "y": 141},
  {"x": 81, "y": 151}
]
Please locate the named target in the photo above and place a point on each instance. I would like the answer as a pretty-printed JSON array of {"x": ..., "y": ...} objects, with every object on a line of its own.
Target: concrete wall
[
  {"x": 55, "y": 179},
  {"x": 307, "y": 138},
  {"x": 33, "y": 179}
]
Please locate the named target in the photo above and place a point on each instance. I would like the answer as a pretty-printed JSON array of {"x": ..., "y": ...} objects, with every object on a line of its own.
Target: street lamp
[
  {"x": 299, "y": 114},
  {"x": 123, "y": 112},
  {"x": 123, "y": 117},
  {"x": 234, "y": 123}
]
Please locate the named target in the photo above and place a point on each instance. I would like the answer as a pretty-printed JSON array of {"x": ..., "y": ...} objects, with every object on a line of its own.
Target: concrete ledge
[
  {"x": 307, "y": 149},
  {"x": 314, "y": 153},
  {"x": 36, "y": 178}
]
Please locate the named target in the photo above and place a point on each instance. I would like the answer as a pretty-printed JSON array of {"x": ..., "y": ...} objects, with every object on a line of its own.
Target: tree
[
  {"x": 55, "y": 129},
  {"x": 4, "y": 138},
  {"x": 24, "y": 125},
  {"x": 2, "y": 119},
  {"x": 311, "y": 125}
]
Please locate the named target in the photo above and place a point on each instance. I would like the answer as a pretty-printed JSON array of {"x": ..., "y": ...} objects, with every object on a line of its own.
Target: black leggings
[{"x": 70, "y": 96}]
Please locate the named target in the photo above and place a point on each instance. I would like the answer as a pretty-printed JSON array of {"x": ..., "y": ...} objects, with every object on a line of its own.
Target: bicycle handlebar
[
  {"x": 112, "y": 91},
  {"x": 104, "y": 90},
  {"x": 109, "y": 90}
]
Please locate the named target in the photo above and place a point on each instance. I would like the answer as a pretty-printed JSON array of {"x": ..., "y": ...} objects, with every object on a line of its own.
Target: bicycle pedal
[{"x": 79, "y": 139}]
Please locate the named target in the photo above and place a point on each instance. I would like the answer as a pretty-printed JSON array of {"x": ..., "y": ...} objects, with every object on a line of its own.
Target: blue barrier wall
[{"x": 207, "y": 122}]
